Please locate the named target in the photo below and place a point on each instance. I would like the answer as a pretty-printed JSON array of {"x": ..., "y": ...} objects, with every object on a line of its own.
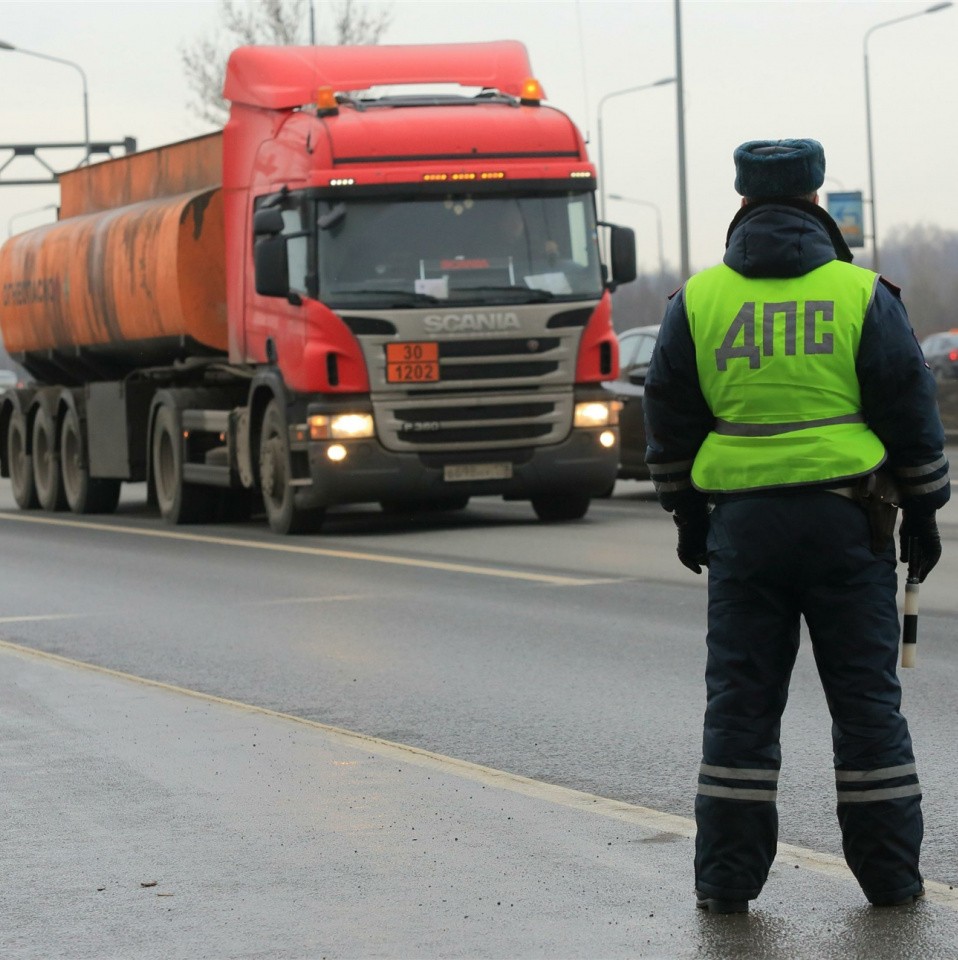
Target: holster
[{"x": 880, "y": 495}]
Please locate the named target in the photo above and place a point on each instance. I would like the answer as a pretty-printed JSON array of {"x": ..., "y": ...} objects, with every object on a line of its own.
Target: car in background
[
  {"x": 941, "y": 354},
  {"x": 635, "y": 354}
]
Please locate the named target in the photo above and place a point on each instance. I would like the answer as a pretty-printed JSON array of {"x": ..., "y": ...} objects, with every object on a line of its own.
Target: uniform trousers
[{"x": 774, "y": 559}]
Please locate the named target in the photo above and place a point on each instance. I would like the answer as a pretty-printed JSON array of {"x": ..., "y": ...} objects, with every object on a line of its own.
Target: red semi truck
[{"x": 356, "y": 292}]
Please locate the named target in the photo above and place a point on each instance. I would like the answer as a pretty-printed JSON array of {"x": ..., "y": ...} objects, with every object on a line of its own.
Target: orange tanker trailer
[
  {"x": 324, "y": 303},
  {"x": 132, "y": 273}
]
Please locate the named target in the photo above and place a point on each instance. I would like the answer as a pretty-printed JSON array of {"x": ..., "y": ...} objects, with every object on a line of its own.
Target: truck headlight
[
  {"x": 597, "y": 413},
  {"x": 340, "y": 426}
]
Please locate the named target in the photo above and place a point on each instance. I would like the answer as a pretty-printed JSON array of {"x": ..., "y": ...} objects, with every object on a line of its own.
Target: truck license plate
[
  {"x": 413, "y": 362},
  {"x": 477, "y": 471}
]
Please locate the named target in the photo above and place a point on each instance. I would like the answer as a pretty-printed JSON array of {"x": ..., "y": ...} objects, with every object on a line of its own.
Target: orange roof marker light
[
  {"x": 326, "y": 101},
  {"x": 464, "y": 175},
  {"x": 532, "y": 92}
]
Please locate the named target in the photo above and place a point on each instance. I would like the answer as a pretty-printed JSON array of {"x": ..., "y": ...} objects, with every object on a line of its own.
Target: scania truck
[{"x": 380, "y": 282}]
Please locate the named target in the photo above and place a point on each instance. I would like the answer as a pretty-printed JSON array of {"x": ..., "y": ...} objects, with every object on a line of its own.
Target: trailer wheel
[
  {"x": 84, "y": 494},
  {"x": 179, "y": 502},
  {"x": 557, "y": 507},
  {"x": 47, "y": 472},
  {"x": 22, "y": 482},
  {"x": 279, "y": 497}
]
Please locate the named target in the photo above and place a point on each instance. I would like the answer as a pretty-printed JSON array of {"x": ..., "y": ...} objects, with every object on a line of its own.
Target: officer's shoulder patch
[{"x": 896, "y": 291}]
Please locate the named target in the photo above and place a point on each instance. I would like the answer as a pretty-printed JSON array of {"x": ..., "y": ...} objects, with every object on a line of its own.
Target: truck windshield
[{"x": 461, "y": 249}]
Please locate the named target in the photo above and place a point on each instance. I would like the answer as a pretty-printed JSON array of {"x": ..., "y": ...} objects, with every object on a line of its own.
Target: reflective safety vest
[{"x": 776, "y": 363}]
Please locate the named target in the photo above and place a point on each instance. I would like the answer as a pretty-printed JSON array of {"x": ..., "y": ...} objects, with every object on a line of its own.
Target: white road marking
[
  {"x": 552, "y": 580},
  {"x": 42, "y": 616},
  {"x": 644, "y": 817}
]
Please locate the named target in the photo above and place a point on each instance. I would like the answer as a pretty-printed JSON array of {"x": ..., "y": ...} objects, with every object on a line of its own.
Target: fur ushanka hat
[{"x": 765, "y": 169}]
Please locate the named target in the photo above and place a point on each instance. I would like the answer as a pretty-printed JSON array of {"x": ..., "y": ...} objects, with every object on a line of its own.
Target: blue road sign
[{"x": 847, "y": 210}]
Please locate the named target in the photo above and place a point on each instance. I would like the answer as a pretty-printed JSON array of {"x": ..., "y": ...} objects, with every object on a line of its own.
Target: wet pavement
[{"x": 145, "y": 821}]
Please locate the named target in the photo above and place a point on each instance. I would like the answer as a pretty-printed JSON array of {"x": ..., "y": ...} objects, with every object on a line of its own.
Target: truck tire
[
  {"x": 558, "y": 507},
  {"x": 279, "y": 497},
  {"x": 84, "y": 494},
  {"x": 47, "y": 472},
  {"x": 22, "y": 483},
  {"x": 178, "y": 502}
]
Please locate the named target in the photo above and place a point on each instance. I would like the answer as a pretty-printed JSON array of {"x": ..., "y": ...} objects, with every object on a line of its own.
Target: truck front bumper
[{"x": 369, "y": 472}]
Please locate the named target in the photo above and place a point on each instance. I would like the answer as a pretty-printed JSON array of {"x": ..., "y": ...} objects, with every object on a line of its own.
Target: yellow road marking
[
  {"x": 285, "y": 601},
  {"x": 502, "y": 572},
  {"x": 644, "y": 817}
]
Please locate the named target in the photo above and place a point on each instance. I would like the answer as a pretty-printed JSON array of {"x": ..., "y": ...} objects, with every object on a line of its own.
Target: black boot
[{"x": 714, "y": 905}]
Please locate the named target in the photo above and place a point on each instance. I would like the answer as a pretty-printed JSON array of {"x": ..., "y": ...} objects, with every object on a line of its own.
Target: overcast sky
[{"x": 752, "y": 70}]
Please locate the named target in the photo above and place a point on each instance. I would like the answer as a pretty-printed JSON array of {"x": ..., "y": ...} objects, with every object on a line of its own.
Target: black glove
[
  {"x": 919, "y": 532},
  {"x": 693, "y": 531}
]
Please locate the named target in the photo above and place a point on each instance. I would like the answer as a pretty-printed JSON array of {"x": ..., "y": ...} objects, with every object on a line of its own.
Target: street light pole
[
  {"x": 617, "y": 93},
  {"x": 684, "y": 266},
  {"x": 868, "y": 116},
  {"x": 69, "y": 63},
  {"x": 658, "y": 224}
]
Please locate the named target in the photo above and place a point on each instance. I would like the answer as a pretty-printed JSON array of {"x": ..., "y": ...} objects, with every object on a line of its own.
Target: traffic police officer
[{"x": 782, "y": 380}]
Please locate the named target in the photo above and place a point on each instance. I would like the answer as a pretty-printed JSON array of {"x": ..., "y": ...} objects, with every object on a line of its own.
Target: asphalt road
[{"x": 570, "y": 653}]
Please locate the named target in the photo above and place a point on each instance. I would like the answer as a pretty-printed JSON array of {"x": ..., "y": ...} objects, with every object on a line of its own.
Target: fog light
[
  {"x": 607, "y": 439},
  {"x": 336, "y": 452}
]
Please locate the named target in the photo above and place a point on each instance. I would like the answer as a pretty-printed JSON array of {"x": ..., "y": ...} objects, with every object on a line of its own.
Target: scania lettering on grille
[{"x": 492, "y": 321}]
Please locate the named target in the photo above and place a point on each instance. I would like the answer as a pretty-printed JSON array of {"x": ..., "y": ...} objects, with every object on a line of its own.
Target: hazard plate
[
  {"x": 477, "y": 471},
  {"x": 414, "y": 362}
]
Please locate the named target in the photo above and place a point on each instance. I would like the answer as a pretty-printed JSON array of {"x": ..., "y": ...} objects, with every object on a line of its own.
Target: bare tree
[
  {"x": 923, "y": 260},
  {"x": 270, "y": 23}
]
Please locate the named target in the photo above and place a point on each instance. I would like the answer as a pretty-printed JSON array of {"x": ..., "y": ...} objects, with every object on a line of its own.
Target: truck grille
[
  {"x": 496, "y": 390},
  {"x": 473, "y": 423}
]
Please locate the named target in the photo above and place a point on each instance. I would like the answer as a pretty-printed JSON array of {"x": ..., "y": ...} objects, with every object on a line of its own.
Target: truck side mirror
[
  {"x": 622, "y": 255},
  {"x": 271, "y": 264},
  {"x": 267, "y": 221}
]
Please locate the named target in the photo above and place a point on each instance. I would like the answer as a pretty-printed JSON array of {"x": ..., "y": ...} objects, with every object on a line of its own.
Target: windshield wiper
[
  {"x": 517, "y": 294},
  {"x": 398, "y": 297}
]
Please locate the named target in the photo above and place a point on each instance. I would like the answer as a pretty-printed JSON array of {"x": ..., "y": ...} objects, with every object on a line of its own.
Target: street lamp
[
  {"x": 658, "y": 223},
  {"x": 86, "y": 109},
  {"x": 617, "y": 93},
  {"x": 868, "y": 114}
]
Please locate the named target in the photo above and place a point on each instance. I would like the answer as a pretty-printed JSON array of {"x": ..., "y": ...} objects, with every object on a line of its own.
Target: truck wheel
[
  {"x": 279, "y": 497},
  {"x": 47, "y": 473},
  {"x": 179, "y": 502},
  {"x": 22, "y": 482},
  {"x": 84, "y": 494},
  {"x": 555, "y": 507}
]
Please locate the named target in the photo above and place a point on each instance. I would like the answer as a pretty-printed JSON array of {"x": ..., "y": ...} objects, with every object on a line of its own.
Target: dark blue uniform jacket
[{"x": 789, "y": 238}]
